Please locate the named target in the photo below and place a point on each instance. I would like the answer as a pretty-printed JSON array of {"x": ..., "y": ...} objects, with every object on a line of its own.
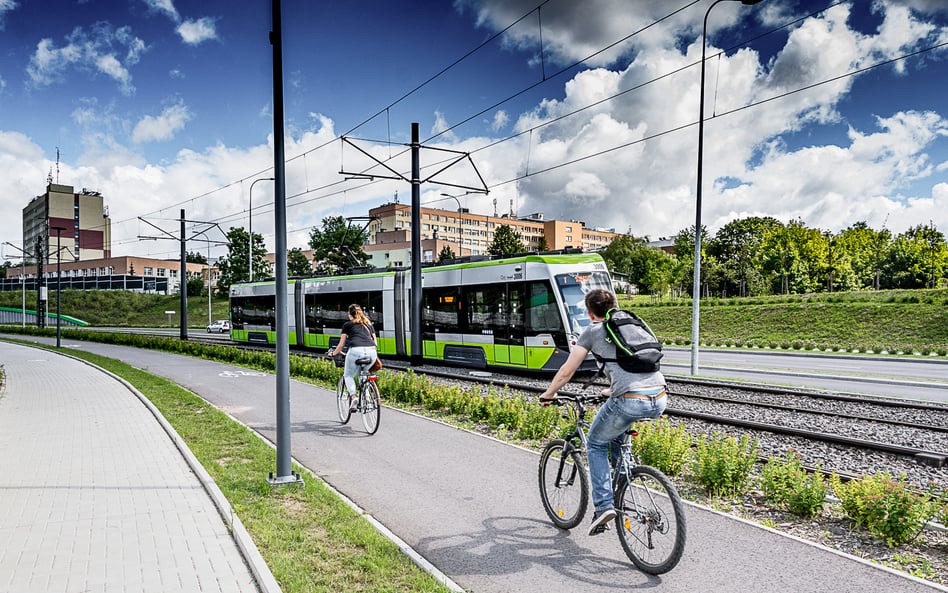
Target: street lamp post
[
  {"x": 59, "y": 258},
  {"x": 460, "y": 237},
  {"x": 696, "y": 290},
  {"x": 250, "y": 228}
]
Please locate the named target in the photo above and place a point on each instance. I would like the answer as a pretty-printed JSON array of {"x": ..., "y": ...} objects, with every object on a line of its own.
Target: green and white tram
[{"x": 521, "y": 312}]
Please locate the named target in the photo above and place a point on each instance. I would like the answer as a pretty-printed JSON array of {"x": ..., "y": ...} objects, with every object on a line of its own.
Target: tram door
[{"x": 495, "y": 318}]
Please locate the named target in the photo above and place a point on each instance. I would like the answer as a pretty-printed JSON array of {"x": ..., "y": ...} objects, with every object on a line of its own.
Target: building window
[
  {"x": 161, "y": 271},
  {"x": 569, "y": 229},
  {"x": 149, "y": 271}
]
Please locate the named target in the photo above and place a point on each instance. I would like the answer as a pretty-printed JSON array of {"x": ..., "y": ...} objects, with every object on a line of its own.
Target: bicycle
[
  {"x": 367, "y": 399},
  {"x": 650, "y": 519}
]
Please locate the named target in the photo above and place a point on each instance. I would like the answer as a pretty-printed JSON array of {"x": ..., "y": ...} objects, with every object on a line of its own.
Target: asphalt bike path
[{"x": 470, "y": 505}]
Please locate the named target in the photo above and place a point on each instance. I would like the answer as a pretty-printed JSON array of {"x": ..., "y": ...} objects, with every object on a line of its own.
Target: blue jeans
[
  {"x": 352, "y": 369},
  {"x": 607, "y": 433}
]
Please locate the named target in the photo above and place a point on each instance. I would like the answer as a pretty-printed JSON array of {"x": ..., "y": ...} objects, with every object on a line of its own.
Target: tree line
[
  {"x": 760, "y": 255},
  {"x": 750, "y": 256}
]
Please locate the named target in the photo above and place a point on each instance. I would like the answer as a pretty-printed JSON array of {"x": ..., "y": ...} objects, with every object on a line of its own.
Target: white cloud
[
  {"x": 644, "y": 176},
  {"x": 5, "y": 7},
  {"x": 87, "y": 51},
  {"x": 194, "y": 32},
  {"x": 162, "y": 127},
  {"x": 500, "y": 120},
  {"x": 165, "y": 6}
]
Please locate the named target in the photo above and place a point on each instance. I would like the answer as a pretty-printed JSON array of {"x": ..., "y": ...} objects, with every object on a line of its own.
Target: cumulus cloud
[
  {"x": 618, "y": 148},
  {"x": 92, "y": 51},
  {"x": 194, "y": 32},
  {"x": 5, "y": 7},
  {"x": 191, "y": 31},
  {"x": 161, "y": 127},
  {"x": 164, "y": 6}
]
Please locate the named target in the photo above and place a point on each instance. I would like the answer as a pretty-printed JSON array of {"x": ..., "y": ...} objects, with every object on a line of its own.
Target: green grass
[
  {"x": 908, "y": 319},
  {"x": 310, "y": 539},
  {"x": 118, "y": 308}
]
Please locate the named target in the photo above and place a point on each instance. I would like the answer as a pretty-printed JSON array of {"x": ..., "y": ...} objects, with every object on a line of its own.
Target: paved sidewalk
[{"x": 94, "y": 494}]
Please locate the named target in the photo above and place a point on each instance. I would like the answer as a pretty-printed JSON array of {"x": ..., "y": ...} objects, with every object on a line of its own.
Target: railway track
[{"x": 846, "y": 434}]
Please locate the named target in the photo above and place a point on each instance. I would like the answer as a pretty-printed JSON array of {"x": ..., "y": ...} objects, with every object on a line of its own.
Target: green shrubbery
[
  {"x": 722, "y": 464},
  {"x": 787, "y": 485},
  {"x": 661, "y": 445},
  {"x": 885, "y": 506}
]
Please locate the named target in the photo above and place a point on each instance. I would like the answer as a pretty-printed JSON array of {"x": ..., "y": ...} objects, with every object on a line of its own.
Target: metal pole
[
  {"x": 460, "y": 238},
  {"x": 59, "y": 258},
  {"x": 416, "y": 300},
  {"x": 250, "y": 229},
  {"x": 209, "y": 283},
  {"x": 23, "y": 286},
  {"x": 696, "y": 289},
  {"x": 184, "y": 282},
  {"x": 285, "y": 474}
]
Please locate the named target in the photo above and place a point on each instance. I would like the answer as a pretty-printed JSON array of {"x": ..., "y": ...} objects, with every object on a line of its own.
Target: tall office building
[{"x": 83, "y": 217}]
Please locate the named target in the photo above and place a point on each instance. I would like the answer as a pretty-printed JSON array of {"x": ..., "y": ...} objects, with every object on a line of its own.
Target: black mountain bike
[{"x": 650, "y": 519}]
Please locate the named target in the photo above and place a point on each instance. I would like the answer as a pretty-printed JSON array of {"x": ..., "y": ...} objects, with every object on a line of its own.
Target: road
[{"x": 902, "y": 377}]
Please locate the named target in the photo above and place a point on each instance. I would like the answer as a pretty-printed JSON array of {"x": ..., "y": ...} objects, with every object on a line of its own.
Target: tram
[{"x": 520, "y": 312}]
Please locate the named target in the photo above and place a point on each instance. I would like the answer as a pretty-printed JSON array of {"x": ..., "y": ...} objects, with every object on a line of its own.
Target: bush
[
  {"x": 885, "y": 506},
  {"x": 661, "y": 445},
  {"x": 722, "y": 464},
  {"x": 787, "y": 485}
]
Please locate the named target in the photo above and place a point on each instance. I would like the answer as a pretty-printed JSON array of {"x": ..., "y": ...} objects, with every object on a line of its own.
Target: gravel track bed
[{"x": 839, "y": 458}]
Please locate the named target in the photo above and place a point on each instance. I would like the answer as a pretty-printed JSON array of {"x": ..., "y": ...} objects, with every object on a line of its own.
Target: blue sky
[{"x": 583, "y": 111}]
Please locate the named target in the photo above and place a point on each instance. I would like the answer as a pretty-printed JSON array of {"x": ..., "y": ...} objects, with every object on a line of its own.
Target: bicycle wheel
[
  {"x": 371, "y": 406},
  {"x": 651, "y": 520},
  {"x": 342, "y": 401},
  {"x": 564, "y": 485}
]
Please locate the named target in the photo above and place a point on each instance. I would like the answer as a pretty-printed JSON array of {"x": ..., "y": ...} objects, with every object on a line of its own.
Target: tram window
[
  {"x": 440, "y": 311},
  {"x": 331, "y": 310},
  {"x": 253, "y": 312},
  {"x": 573, "y": 289},
  {"x": 486, "y": 309},
  {"x": 541, "y": 312}
]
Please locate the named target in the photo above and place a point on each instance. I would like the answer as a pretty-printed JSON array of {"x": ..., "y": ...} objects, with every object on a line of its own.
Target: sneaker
[
  {"x": 601, "y": 520},
  {"x": 353, "y": 403}
]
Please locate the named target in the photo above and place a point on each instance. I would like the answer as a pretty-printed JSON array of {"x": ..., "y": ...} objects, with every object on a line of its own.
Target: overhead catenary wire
[{"x": 309, "y": 191}]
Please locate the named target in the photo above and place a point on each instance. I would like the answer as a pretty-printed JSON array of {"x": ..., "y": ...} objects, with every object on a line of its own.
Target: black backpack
[{"x": 637, "y": 348}]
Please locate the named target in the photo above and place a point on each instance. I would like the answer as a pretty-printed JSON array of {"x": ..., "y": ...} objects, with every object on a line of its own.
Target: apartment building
[
  {"x": 469, "y": 234},
  {"x": 78, "y": 221}
]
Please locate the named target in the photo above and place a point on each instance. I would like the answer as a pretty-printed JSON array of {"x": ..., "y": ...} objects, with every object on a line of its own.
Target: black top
[{"x": 358, "y": 335}]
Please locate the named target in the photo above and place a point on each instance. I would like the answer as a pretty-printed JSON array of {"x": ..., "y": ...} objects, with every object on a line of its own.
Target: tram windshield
[{"x": 573, "y": 288}]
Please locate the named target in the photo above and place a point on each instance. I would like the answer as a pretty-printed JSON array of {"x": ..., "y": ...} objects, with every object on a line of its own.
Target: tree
[
  {"x": 543, "y": 245},
  {"x": 338, "y": 246},
  {"x": 131, "y": 269},
  {"x": 916, "y": 259},
  {"x": 297, "y": 264},
  {"x": 233, "y": 267},
  {"x": 445, "y": 254},
  {"x": 506, "y": 242},
  {"x": 865, "y": 249},
  {"x": 195, "y": 257},
  {"x": 735, "y": 246},
  {"x": 195, "y": 285}
]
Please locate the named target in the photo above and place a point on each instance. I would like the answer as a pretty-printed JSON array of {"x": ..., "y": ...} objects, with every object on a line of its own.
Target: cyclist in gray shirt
[{"x": 633, "y": 396}]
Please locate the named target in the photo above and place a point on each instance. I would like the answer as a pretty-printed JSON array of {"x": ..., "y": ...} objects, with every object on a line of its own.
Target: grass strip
[{"x": 311, "y": 540}]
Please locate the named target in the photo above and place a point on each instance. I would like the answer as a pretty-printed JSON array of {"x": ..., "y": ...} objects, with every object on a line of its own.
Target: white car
[{"x": 220, "y": 326}]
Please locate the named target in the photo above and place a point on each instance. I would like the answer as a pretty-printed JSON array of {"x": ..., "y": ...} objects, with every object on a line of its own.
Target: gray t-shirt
[{"x": 594, "y": 340}]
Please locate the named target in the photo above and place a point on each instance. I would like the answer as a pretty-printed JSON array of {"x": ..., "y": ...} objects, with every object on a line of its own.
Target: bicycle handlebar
[{"x": 561, "y": 399}]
